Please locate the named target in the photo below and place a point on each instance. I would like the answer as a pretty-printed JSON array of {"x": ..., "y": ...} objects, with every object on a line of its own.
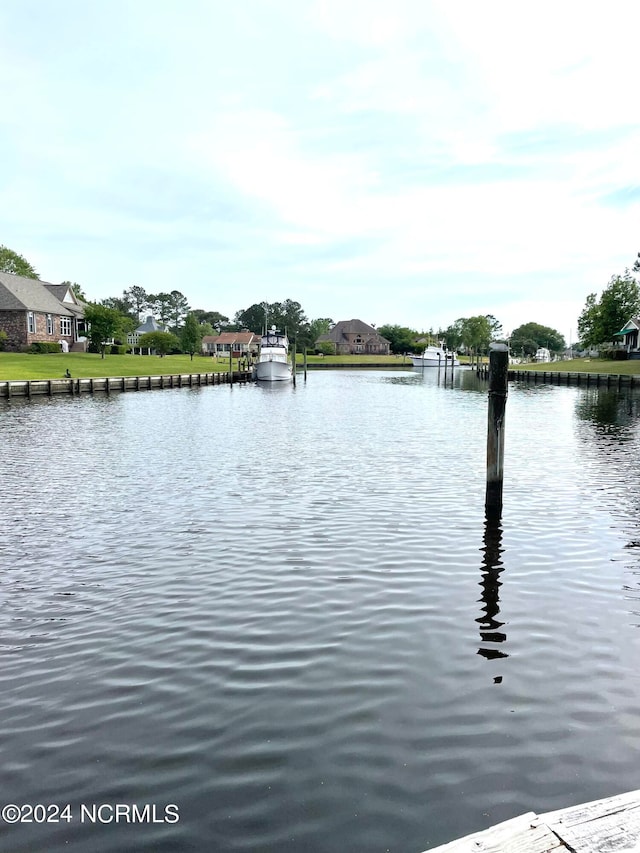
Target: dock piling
[{"x": 498, "y": 379}]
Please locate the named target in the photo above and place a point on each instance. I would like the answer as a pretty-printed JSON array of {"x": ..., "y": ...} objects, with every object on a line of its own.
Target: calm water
[{"x": 280, "y": 610}]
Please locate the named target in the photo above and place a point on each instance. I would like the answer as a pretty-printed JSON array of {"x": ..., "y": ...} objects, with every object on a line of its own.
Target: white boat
[
  {"x": 273, "y": 364},
  {"x": 435, "y": 357}
]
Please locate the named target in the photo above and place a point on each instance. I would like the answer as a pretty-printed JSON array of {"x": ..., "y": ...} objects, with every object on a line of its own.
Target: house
[
  {"x": 239, "y": 344},
  {"x": 630, "y": 333},
  {"x": 353, "y": 337},
  {"x": 149, "y": 325},
  {"x": 34, "y": 311}
]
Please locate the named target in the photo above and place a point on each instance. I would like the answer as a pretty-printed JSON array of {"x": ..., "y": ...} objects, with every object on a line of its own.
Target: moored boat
[
  {"x": 273, "y": 364},
  {"x": 435, "y": 357}
]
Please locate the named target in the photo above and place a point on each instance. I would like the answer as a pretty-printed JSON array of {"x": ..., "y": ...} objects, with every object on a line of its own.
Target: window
[
  {"x": 49, "y": 324},
  {"x": 65, "y": 326},
  {"x": 31, "y": 322}
]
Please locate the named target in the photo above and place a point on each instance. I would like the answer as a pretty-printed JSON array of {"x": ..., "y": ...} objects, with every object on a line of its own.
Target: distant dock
[
  {"x": 602, "y": 826},
  {"x": 557, "y": 377}
]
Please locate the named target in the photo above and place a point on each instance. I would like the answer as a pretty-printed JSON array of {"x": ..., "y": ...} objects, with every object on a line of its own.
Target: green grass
[
  {"x": 24, "y": 366},
  {"x": 355, "y": 359},
  {"x": 584, "y": 365},
  {"x": 86, "y": 365}
]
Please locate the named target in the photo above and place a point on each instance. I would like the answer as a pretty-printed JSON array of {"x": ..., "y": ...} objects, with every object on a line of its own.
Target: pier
[
  {"x": 557, "y": 377},
  {"x": 109, "y": 384},
  {"x": 601, "y": 826}
]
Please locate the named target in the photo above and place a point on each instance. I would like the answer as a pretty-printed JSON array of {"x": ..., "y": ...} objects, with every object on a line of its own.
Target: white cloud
[{"x": 456, "y": 155}]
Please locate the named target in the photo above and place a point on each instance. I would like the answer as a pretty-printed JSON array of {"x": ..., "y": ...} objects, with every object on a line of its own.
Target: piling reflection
[{"x": 490, "y": 625}]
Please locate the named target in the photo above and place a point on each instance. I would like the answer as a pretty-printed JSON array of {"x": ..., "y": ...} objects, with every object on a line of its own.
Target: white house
[{"x": 149, "y": 325}]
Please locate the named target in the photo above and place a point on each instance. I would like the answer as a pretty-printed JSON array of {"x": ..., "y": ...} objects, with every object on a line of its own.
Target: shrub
[
  {"x": 120, "y": 349},
  {"x": 3, "y": 340},
  {"x": 614, "y": 354},
  {"x": 44, "y": 347},
  {"x": 326, "y": 348}
]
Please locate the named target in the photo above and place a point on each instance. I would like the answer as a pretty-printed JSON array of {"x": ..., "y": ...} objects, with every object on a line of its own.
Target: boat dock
[
  {"x": 49, "y": 387},
  {"x": 602, "y": 826},
  {"x": 557, "y": 377}
]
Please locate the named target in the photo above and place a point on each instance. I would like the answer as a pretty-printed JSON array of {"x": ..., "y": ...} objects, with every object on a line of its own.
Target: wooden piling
[
  {"x": 293, "y": 363},
  {"x": 498, "y": 379},
  {"x": 305, "y": 364}
]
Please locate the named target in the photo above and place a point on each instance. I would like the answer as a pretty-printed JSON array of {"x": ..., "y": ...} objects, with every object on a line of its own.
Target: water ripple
[{"x": 306, "y": 636}]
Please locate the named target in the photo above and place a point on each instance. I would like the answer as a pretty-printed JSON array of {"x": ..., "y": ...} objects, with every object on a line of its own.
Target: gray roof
[
  {"x": 18, "y": 293},
  {"x": 150, "y": 325},
  {"x": 60, "y": 291}
]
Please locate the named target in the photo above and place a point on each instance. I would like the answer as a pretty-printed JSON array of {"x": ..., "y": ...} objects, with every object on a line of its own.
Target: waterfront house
[
  {"x": 239, "y": 344},
  {"x": 353, "y": 337},
  {"x": 34, "y": 311},
  {"x": 149, "y": 325},
  {"x": 630, "y": 333}
]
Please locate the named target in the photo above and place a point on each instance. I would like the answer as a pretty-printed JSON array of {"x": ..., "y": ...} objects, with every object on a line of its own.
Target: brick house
[
  {"x": 32, "y": 310},
  {"x": 353, "y": 337}
]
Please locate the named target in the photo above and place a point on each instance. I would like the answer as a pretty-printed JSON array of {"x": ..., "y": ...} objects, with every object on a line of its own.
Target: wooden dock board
[
  {"x": 602, "y": 826},
  {"x": 611, "y": 825}
]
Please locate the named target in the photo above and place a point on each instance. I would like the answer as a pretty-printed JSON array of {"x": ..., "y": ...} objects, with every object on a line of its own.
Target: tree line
[
  {"x": 604, "y": 316},
  {"x": 117, "y": 316}
]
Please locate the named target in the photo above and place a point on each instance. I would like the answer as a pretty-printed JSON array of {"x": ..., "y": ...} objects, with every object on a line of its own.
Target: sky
[{"x": 397, "y": 161}]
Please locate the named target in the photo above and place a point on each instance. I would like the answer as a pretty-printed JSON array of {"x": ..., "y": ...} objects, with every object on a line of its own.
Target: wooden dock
[
  {"x": 109, "y": 384},
  {"x": 558, "y": 377},
  {"x": 602, "y": 826}
]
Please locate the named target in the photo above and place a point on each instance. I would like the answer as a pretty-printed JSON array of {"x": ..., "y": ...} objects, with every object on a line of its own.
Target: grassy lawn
[
  {"x": 356, "y": 360},
  {"x": 85, "y": 365},
  {"x": 584, "y": 365}
]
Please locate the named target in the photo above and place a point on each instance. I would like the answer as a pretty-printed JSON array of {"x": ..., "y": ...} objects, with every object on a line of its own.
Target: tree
[
  {"x": 531, "y": 336},
  {"x": 104, "y": 324},
  {"x": 453, "y": 335},
  {"x": 495, "y": 326},
  {"x": 191, "y": 335},
  {"x": 119, "y": 304},
  {"x": 138, "y": 298},
  {"x": 12, "y": 262},
  {"x": 602, "y": 318},
  {"x": 161, "y": 306},
  {"x": 475, "y": 333},
  {"x": 401, "y": 338},
  {"x": 178, "y": 309},
  {"x": 215, "y": 318},
  {"x": 286, "y": 316},
  {"x": 255, "y": 317},
  {"x": 161, "y": 342},
  {"x": 315, "y": 329}
]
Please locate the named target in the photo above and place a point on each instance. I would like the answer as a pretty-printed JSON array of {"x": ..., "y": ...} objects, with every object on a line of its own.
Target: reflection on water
[
  {"x": 608, "y": 408},
  {"x": 265, "y": 609},
  {"x": 492, "y": 567}
]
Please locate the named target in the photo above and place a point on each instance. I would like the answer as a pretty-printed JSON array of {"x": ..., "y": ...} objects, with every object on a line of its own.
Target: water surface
[{"x": 281, "y": 610}]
